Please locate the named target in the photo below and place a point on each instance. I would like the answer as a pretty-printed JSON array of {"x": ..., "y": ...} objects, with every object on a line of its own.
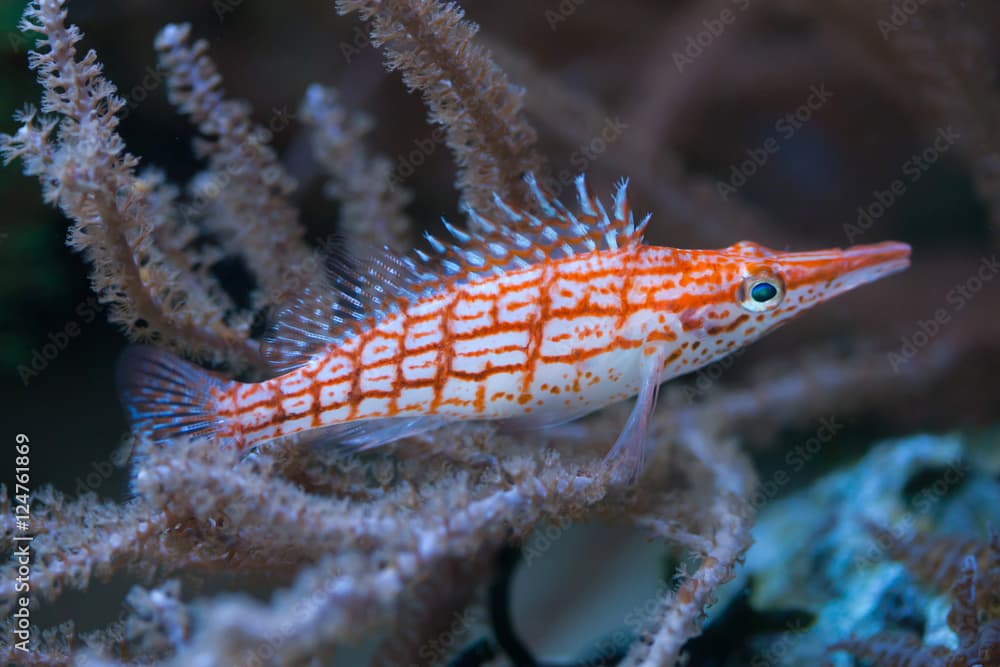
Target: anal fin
[
  {"x": 370, "y": 433},
  {"x": 541, "y": 420}
]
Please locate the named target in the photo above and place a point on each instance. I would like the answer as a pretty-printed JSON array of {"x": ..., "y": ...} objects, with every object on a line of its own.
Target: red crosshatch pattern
[
  {"x": 563, "y": 337},
  {"x": 538, "y": 319}
]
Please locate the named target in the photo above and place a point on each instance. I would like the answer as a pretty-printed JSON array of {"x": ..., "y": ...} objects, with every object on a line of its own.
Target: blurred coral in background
[{"x": 191, "y": 214}]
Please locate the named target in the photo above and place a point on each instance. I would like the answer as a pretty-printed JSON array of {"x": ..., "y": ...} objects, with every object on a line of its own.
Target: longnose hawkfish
[{"x": 532, "y": 319}]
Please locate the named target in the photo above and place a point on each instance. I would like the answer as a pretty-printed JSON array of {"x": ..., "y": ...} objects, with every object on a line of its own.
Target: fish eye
[{"x": 761, "y": 292}]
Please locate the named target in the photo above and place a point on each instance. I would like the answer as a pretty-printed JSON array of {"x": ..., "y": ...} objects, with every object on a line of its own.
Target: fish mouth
[
  {"x": 841, "y": 270},
  {"x": 882, "y": 259}
]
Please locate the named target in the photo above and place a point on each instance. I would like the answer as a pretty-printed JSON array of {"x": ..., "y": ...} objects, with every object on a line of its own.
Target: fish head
[{"x": 754, "y": 289}]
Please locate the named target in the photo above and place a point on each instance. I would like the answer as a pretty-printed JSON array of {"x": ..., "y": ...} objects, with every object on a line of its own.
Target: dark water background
[{"x": 846, "y": 155}]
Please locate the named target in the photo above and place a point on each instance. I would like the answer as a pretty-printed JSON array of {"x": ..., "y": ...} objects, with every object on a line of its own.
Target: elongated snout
[{"x": 832, "y": 272}]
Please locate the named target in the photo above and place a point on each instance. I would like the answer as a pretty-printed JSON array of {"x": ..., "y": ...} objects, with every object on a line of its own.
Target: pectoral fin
[{"x": 628, "y": 455}]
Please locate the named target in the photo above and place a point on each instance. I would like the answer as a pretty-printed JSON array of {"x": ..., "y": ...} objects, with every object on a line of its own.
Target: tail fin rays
[{"x": 166, "y": 397}]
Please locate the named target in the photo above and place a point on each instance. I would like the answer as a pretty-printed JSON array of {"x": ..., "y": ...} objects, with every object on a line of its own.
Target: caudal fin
[{"x": 166, "y": 397}]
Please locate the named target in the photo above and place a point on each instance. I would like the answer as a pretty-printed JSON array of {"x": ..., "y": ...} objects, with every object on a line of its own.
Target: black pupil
[{"x": 762, "y": 292}]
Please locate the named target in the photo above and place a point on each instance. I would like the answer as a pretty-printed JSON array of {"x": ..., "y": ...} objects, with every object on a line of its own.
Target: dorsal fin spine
[
  {"x": 365, "y": 290},
  {"x": 621, "y": 200},
  {"x": 583, "y": 196},
  {"x": 535, "y": 222},
  {"x": 458, "y": 234},
  {"x": 474, "y": 258},
  {"x": 641, "y": 227},
  {"x": 481, "y": 223},
  {"x": 438, "y": 247},
  {"x": 543, "y": 201},
  {"x": 605, "y": 220},
  {"x": 572, "y": 219},
  {"x": 514, "y": 216},
  {"x": 521, "y": 241}
]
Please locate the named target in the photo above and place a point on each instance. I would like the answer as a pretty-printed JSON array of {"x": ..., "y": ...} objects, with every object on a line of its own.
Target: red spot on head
[
  {"x": 749, "y": 249},
  {"x": 689, "y": 321}
]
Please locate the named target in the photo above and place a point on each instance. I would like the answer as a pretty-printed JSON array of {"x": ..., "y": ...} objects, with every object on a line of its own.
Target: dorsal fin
[
  {"x": 354, "y": 292},
  {"x": 359, "y": 292},
  {"x": 520, "y": 238}
]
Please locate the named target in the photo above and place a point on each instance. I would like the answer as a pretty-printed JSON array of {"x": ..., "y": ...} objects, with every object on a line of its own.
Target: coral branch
[
  {"x": 84, "y": 539},
  {"x": 717, "y": 510},
  {"x": 254, "y": 218},
  {"x": 81, "y": 161},
  {"x": 431, "y": 44},
  {"x": 371, "y": 204}
]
